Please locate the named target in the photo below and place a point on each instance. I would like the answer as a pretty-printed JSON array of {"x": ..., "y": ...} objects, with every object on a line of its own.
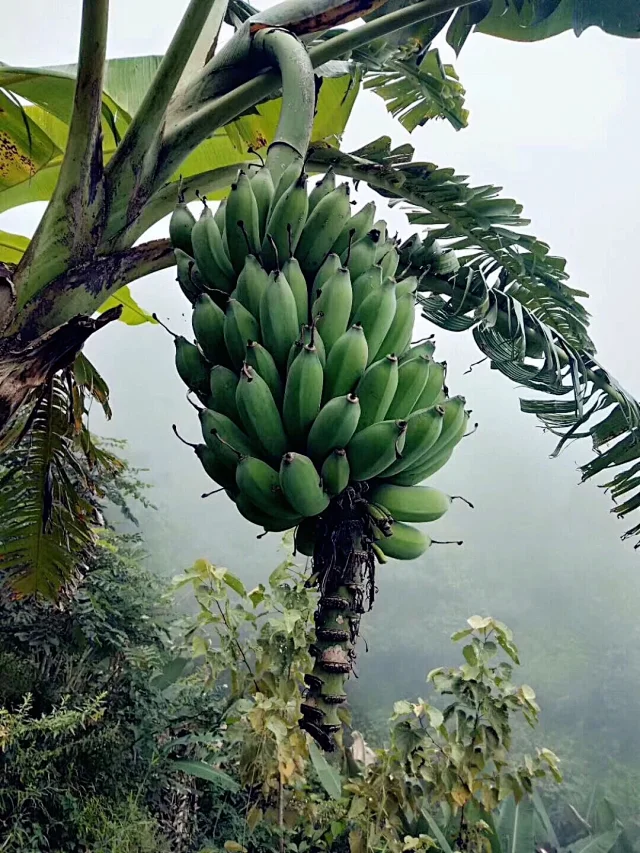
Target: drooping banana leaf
[
  {"x": 48, "y": 511},
  {"x": 519, "y": 20},
  {"x": 485, "y": 276}
]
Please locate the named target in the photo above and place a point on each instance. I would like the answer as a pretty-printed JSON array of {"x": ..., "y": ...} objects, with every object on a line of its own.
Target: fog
[{"x": 555, "y": 124}]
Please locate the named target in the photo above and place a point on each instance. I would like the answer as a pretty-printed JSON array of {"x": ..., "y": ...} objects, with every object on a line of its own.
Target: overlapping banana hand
[{"x": 303, "y": 316}]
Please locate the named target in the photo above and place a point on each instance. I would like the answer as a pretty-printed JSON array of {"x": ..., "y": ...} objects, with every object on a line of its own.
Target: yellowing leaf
[
  {"x": 479, "y": 622},
  {"x": 402, "y": 707},
  {"x": 12, "y": 247},
  {"x": 24, "y": 147},
  {"x": 199, "y": 646},
  {"x": 132, "y": 313},
  {"x": 460, "y": 795},
  {"x": 234, "y": 847}
]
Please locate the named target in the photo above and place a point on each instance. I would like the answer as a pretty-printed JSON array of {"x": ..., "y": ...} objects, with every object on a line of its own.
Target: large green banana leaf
[{"x": 519, "y": 20}]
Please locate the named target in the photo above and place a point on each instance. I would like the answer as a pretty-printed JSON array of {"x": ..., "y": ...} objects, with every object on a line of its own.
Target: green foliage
[
  {"x": 454, "y": 761},
  {"x": 415, "y": 89},
  {"x": 56, "y": 483},
  {"x": 82, "y": 758},
  {"x": 261, "y": 639}
]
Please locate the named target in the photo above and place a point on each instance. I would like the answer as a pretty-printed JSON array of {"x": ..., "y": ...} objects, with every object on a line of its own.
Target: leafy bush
[{"x": 101, "y": 653}]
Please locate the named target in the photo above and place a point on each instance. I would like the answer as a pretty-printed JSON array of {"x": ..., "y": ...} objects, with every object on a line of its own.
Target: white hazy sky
[{"x": 556, "y": 125}]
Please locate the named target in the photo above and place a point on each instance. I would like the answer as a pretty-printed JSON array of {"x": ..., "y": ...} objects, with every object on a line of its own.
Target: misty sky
[{"x": 556, "y": 125}]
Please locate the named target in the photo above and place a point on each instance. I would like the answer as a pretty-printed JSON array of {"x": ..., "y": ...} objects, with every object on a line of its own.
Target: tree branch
[
  {"x": 83, "y": 288},
  {"x": 71, "y": 224},
  {"x": 135, "y": 158}
]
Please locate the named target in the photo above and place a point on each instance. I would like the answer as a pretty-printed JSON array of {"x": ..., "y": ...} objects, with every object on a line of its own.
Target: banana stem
[
  {"x": 135, "y": 159},
  {"x": 73, "y": 219},
  {"x": 398, "y": 20},
  {"x": 293, "y": 133},
  {"x": 344, "y": 571},
  {"x": 186, "y": 133}
]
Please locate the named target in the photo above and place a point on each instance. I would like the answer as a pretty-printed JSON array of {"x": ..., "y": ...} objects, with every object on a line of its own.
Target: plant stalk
[
  {"x": 187, "y": 133},
  {"x": 135, "y": 158},
  {"x": 295, "y": 124},
  {"x": 359, "y": 36},
  {"x": 72, "y": 222},
  {"x": 82, "y": 289},
  {"x": 344, "y": 565}
]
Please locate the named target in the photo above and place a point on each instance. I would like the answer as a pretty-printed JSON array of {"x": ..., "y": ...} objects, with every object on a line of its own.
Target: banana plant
[{"x": 111, "y": 157}]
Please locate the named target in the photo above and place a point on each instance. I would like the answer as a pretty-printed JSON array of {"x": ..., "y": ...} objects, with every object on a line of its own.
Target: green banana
[
  {"x": 184, "y": 264},
  {"x": 259, "y": 413},
  {"x": 302, "y": 394},
  {"x": 222, "y": 385},
  {"x": 346, "y": 363},
  {"x": 288, "y": 178},
  {"x": 407, "y": 285},
  {"x": 220, "y": 471},
  {"x": 278, "y": 318},
  {"x": 332, "y": 308},
  {"x": 298, "y": 284},
  {"x": 376, "y": 390},
  {"x": 209, "y": 253},
  {"x": 335, "y": 472},
  {"x": 355, "y": 228},
  {"x": 376, "y": 315},
  {"x": 412, "y": 503},
  {"x": 252, "y": 513},
  {"x": 412, "y": 377},
  {"x": 219, "y": 217},
  {"x": 454, "y": 424},
  {"x": 383, "y": 245},
  {"x": 215, "y": 468},
  {"x": 263, "y": 190},
  {"x": 416, "y": 474},
  {"x": 303, "y": 340},
  {"x": 329, "y": 268},
  {"x": 305, "y": 537},
  {"x": 379, "y": 554},
  {"x": 208, "y": 321},
  {"x": 252, "y": 283},
  {"x": 389, "y": 263},
  {"x": 405, "y": 543},
  {"x": 333, "y": 427},
  {"x": 192, "y": 366},
  {"x": 301, "y": 484},
  {"x": 434, "y": 385},
  {"x": 398, "y": 337},
  {"x": 240, "y": 326},
  {"x": 180, "y": 226},
  {"x": 242, "y": 228},
  {"x": 322, "y": 228},
  {"x": 216, "y": 426},
  {"x": 360, "y": 256},
  {"x": 322, "y": 188},
  {"x": 426, "y": 347},
  {"x": 364, "y": 285},
  {"x": 262, "y": 362},
  {"x": 285, "y": 224},
  {"x": 375, "y": 448},
  {"x": 423, "y": 430},
  {"x": 261, "y": 484}
]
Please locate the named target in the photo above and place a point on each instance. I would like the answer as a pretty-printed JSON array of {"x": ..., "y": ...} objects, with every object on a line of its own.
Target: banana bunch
[{"x": 303, "y": 314}]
